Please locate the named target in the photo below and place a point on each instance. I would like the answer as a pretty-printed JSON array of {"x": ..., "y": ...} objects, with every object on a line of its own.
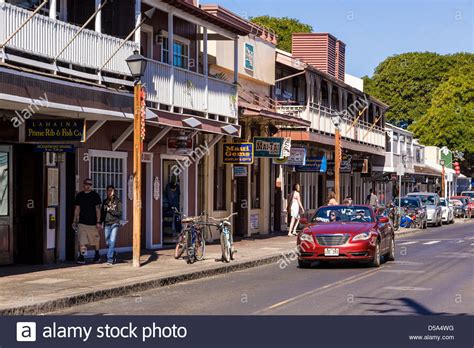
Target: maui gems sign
[{"x": 237, "y": 153}]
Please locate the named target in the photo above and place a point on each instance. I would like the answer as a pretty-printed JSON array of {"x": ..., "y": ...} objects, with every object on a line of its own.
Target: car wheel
[
  {"x": 391, "y": 253},
  {"x": 376, "y": 260},
  {"x": 303, "y": 264}
]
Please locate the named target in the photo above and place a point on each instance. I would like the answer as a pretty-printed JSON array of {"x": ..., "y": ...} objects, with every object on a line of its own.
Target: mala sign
[
  {"x": 237, "y": 153},
  {"x": 269, "y": 147},
  {"x": 54, "y": 130}
]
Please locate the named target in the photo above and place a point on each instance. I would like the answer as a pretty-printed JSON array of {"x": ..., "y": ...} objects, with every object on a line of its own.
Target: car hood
[
  {"x": 341, "y": 227},
  {"x": 431, "y": 207}
]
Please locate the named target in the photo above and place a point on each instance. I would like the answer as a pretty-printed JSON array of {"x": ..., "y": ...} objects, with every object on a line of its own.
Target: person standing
[
  {"x": 295, "y": 205},
  {"x": 332, "y": 199},
  {"x": 372, "y": 199},
  {"x": 111, "y": 216},
  {"x": 87, "y": 223}
]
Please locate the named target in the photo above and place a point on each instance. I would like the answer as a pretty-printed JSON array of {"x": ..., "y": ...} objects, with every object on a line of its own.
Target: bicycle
[
  {"x": 227, "y": 241},
  {"x": 191, "y": 239}
]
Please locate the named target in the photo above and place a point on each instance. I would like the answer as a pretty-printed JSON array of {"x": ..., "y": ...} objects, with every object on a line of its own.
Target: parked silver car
[
  {"x": 434, "y": 211},
  {"x": 448, "y": 211}
]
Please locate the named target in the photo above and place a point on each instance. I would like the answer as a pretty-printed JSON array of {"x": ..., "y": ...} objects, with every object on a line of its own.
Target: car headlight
[
  {"x": 362, "y": 236},
  {"x": 306, "y": 237}
]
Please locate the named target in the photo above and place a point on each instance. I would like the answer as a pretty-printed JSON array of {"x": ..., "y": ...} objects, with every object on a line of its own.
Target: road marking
[
  {"x": 472, "y": 243},
  {"x": 324, "y": 288},
  {"x": 406, "y": 288},
  {"x": 460, "y": 241},
  {"x": 432, "y": 242},
  {"x": 408, "y": 243},
  {"x": 401, "y": 271}
]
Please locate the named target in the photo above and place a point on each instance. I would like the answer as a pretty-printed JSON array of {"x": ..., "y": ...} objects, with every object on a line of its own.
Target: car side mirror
[{"x": 382, "y": 219}]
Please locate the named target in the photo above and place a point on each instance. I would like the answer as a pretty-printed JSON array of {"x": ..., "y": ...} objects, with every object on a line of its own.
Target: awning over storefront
[
  {"x": 426, "y": 170},
  {"x": 192, "y": 122}
]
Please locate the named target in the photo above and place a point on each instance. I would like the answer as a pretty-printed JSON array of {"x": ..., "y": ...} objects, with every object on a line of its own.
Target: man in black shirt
[{"x": 87, "y": 209}]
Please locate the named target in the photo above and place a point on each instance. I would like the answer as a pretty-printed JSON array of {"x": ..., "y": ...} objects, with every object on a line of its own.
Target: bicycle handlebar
[{"x": 222, "y": 219}]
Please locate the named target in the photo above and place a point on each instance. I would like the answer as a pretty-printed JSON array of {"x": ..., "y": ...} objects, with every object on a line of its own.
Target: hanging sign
[
  {"x": 55, "y": 130},
  {"x": 286, "y": 148},
  {"x": 297, "y": 157},
  {"x": 346, "y": 164},
  {"x": 314, "y": 164},
  {"x": 237, "y": 153},
  {"x": 249, "y": 56},
  {"x": 360, "y": 166},
  {"x": 240, "y": 171},
  {"x": 268, "y": 147},
  {"x": 53, "y": 148},
  {"x": 179, "y": 145}
]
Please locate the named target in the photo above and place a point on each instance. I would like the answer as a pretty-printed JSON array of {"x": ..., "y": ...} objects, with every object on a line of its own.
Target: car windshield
[
  {"x": 427, "y": 200},
  {"x": 470, "y": 194},
  {"x": 408, "y": 202},
  {"x": 342, "y": 214},
  {"x": 443, "y": 202},
  {"x": 456, "y": 202}
]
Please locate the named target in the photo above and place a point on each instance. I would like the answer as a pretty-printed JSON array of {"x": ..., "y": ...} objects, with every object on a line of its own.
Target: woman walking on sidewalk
[
  {"x": 295, "y": 205},
  {"x": 111, "y": 216}
]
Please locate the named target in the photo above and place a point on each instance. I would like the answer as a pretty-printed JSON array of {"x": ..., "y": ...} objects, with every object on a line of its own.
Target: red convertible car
[{"x": 348, "y": 233}]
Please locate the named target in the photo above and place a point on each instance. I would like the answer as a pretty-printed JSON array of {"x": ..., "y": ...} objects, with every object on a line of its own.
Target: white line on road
[
  {"x": 432, "y": 242},
  {"x": 407, "y": 243},
  {"x": 406, "y": 288},
  {"x": 322, "y": 289},
  {"x": 401, "y": 271}
]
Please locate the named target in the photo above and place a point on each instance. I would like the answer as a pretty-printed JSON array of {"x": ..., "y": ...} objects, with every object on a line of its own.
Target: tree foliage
[
  {"x": 407, "y": 81},
  {"x": 284, "y": 27},
  {"x": 450, "y": 119}
]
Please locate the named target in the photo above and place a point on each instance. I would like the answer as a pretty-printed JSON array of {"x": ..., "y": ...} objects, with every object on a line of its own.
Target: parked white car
[{"x": 448, "y": 211}]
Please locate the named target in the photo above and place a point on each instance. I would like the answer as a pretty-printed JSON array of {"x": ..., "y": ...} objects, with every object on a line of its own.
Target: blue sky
[{"x": 375, "y": 29}]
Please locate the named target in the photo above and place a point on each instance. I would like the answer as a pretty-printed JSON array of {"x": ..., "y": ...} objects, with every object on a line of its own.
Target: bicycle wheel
[
  {"x": 225, "y": 246},
  {"x": 180, "y": 245},
  {"x": 190, "y": 245},
  {"x": 199, "y": 246}
]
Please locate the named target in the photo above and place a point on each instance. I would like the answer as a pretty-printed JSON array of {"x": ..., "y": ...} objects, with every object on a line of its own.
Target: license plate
[{"x": 331, "y": 252}]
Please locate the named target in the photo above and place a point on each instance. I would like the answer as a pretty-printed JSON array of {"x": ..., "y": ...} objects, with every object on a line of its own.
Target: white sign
[
  {"x": 297, "y": 157},
  {"x": 286, "y": 147},
  {"x": 156, "y": 188},
  {"x": 400, "y": 169},
  {"x": 254, "y": 221}
]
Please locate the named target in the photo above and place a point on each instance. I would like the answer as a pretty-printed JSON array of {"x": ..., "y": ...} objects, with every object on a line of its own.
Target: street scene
[{"x": 181, "y": 158}]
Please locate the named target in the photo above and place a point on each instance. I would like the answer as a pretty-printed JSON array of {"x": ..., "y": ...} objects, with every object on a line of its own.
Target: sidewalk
[{"x": 45, "y": 288}]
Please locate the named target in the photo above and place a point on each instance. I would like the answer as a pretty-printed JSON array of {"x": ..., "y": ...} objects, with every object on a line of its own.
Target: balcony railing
[
  {"x": 46, "y": 37},
  {"x": 189, "y": 90},
  {"x": 320, "y": 118}
]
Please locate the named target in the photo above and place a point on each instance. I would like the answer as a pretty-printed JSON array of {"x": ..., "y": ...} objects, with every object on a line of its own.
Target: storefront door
[
  {"x": 174, "y": 195},
  {"x": 6, "y": 211}
]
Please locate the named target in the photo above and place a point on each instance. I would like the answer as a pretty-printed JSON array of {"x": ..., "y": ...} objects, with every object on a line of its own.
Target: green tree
[
  {"x": 450, "y": 119},
  {"x": 407, "y": 82},
  {"x": 284, "y": 27}
]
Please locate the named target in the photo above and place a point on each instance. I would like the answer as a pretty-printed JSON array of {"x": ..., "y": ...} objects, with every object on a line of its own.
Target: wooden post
[
  {"x": 137, "y": 176},
  {"x": 337, "y": 164}
]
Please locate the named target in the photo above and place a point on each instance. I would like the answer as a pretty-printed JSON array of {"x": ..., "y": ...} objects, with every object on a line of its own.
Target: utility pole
[{"x": 336, "y": 120}]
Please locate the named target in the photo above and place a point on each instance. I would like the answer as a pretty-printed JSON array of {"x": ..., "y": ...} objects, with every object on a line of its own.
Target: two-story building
[
  {"x": 66, "y": 113},
  {"x": 310, "y": 85}
]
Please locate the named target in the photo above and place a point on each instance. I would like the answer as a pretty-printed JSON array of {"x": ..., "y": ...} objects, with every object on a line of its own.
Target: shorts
[{"x": 88, "y": 235}]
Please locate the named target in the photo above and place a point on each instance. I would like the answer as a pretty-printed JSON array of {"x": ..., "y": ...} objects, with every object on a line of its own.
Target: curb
[{"x": 97, "y": 295}]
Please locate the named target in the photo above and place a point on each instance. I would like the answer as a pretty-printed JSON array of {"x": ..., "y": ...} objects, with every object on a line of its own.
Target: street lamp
[
  {"x": 442, "y": 162},
  {"x": 137, "y": 65},
  {"x": 336, "y": 120}
]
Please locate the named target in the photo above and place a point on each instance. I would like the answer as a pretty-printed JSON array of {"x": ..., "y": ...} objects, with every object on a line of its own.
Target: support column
[
  {"x": 170, "y": 55},
  {"x": 138, "y": 18},
  {"x": 205, "y": 70},
  {"x": 329, "y": 84},
  {"x": 98, "y": 17},
  {"x": 236, "y": 59},
  {"x": 63, "y": 13},
  {"x": 318, "y": 90},
  {"x": 52, "y": 9}
]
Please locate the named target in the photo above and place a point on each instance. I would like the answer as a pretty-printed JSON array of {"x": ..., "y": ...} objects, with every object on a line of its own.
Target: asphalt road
[{"x": 432, "y": 275}]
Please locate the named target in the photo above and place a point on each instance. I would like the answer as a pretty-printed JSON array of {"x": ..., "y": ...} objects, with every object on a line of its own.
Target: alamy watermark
[{"x": 22, "y": 115}]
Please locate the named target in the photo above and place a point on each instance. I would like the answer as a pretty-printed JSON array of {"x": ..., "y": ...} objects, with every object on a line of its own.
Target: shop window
[
  {"x": 4, "y": 184},
  {"x": 109, "y": 168},
  {"x": 255, "y": 184},
  {"x": 219, "y": 179}
]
